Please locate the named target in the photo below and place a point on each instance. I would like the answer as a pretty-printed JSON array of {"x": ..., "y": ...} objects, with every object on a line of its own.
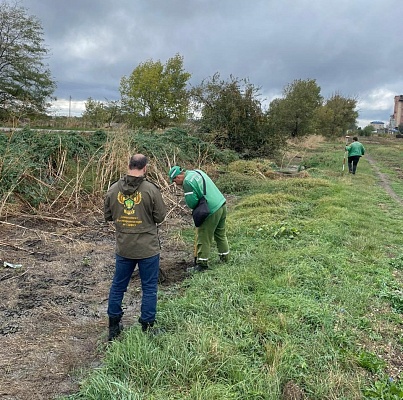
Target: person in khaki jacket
[{"x": 135, "y": 205}]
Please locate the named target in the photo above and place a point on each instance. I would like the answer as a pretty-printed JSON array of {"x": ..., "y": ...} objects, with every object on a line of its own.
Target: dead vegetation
[{"x": 56, "y": 266}]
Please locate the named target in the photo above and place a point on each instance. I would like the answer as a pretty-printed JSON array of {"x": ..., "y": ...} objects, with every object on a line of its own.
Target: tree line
[{"x": 229, "y": 112}]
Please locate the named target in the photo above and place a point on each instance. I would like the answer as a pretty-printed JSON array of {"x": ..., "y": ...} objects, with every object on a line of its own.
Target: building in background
[
  {"x": 378, "y": 126},
  {"x": 398, "y": 112},
  {"x": 392, "y": 122}
]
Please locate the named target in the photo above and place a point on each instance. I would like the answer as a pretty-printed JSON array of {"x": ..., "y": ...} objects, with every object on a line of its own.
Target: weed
[
  {"x": 394, "y": 295},
  {"x": 384, "y": 388},
  {"x": 286, "y": 231},
  {"x": 370, "y": 362},
  {"x": 397, "y": 262}
]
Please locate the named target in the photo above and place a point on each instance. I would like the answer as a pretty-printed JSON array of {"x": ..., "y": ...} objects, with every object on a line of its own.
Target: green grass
[{"x": 311, "y": 296}]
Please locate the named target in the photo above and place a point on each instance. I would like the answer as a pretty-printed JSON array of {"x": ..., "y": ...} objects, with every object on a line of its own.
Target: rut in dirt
[{"x": 384, "y": 181}]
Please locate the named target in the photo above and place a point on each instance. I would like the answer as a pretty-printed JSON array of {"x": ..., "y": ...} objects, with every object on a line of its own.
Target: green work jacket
[
  {"x": 355, "y": 149},
  {"x": 193, "y": 189}
]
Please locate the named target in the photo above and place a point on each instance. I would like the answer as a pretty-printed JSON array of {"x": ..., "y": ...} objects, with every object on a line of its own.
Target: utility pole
[{"x": 70, "y": 107}]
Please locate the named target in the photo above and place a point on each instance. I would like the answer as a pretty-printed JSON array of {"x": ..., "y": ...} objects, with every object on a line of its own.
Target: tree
[
  {"x": 232, "y": 111},
  {"x": 337, "y": 115},
  {"x": 98, "y": 113},
  {"x": 154, "y": 94},
  {"x": 26, "y": 84},
  {"x": 275, "y": 116},
  {"x": 368, "y": 130},
  {"x": 293, "y": 115},
  {"x": 113, "y": 111},
  {"x": 94, "y": 113}
]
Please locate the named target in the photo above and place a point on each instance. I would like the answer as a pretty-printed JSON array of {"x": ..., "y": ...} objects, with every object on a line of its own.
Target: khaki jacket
[{"x": 135, "y": 205}]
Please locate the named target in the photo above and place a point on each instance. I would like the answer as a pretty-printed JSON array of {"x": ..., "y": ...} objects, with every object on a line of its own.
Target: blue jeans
[{"x": 148, "y": 269}]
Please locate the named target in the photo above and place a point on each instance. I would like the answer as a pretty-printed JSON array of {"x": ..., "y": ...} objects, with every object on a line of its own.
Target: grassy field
[{"x": 309, "y": 306}]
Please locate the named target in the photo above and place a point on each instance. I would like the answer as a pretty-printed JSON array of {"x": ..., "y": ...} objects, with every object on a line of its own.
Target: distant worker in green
[{"x": 355, "y": 151}]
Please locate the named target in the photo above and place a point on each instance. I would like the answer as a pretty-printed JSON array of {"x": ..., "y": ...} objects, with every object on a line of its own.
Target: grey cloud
[{"x": 348, "y": 47}]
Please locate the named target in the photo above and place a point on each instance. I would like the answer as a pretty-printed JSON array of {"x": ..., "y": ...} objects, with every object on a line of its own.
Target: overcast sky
[{"x": 350, "y": 47}]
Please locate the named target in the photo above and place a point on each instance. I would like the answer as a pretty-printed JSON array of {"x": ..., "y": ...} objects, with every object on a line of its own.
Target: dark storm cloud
[{"x": 349, "y": 47}]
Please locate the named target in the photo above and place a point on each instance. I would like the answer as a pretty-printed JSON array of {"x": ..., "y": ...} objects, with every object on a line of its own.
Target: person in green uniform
[
  {"x": 355, "y": 151},
  {"x": 213, "y": 227},
  {"x": 135, "y": 205}
]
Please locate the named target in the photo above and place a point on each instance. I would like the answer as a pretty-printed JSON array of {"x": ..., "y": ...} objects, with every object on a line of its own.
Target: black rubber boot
[
  {"x": 145, "y": 326},
  {"x": 148, "y": 327},
  {"x": 115, "y": 327},
  {"x": 197, "y": 268},
  {"x": 223, "y": 258}
]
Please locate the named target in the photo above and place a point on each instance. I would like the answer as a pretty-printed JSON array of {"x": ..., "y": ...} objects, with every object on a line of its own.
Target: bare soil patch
[{"x": 53, "y": 309}]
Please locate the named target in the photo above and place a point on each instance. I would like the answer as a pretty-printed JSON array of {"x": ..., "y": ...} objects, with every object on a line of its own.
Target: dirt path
[{"x": 384, "y": 181}]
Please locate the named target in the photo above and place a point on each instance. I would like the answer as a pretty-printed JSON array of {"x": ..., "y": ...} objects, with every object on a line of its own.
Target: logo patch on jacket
[{"x": 129, "y": 202}]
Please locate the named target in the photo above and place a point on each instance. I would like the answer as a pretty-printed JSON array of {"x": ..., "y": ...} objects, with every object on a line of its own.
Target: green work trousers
[{"x": 212, "y": 228}]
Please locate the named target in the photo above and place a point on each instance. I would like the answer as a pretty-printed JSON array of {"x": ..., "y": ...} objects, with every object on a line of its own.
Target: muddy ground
[{"x": 53, "y": 308}]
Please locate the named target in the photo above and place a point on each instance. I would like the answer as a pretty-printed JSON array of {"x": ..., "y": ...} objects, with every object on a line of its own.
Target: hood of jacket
[{"x": 129, "y": 184}]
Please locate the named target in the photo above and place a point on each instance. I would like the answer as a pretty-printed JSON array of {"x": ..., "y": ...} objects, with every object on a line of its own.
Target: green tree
[
  {"x": 98, "y": 113},
  {"x": 293, "y": 115},
  {"x": 368, "y": 130},
  {"x": 155, "y": 94},
  {"x": 337, "y": 115},
  {"x": 276, "y": 135},
  {"x": 94, "y": 113},
  {"x": 113, "y": 111},
  {"x": 231, "y": 111},
  {"x": 26, "y": 84}
]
